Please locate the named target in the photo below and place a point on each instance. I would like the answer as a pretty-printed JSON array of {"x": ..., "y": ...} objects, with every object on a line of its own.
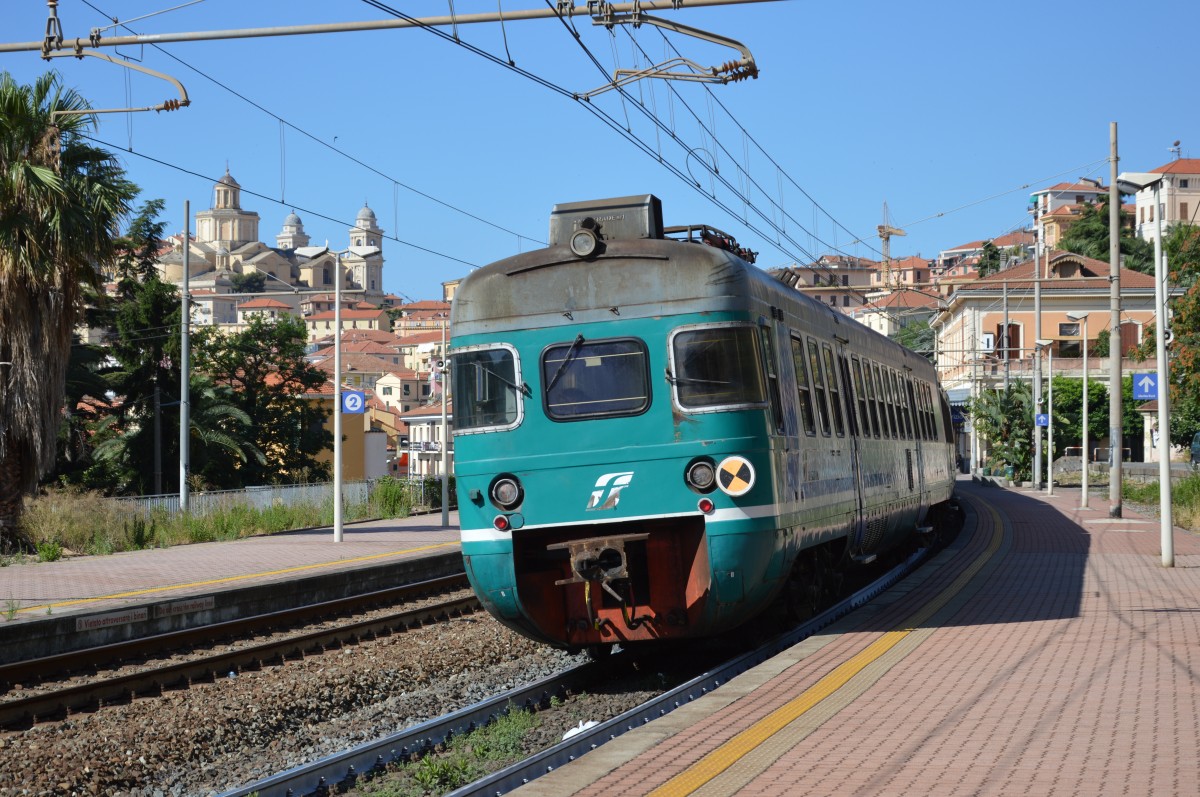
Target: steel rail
[
  {"x": 51, "y": 705},
  {"x": 88, "y": 659},
  {"x": 339, "y": 768},
  {"x": 355, "y": 27}
]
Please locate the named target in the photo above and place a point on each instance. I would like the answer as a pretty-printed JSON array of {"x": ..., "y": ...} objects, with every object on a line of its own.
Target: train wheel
[{"x": 803, "y": 594}]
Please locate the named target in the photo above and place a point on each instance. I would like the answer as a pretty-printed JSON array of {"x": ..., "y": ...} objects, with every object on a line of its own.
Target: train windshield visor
[
  {"x": 486, "y": 390},
  {"x": 590, "y": 379},
  {"x": 717, "y": 367}
]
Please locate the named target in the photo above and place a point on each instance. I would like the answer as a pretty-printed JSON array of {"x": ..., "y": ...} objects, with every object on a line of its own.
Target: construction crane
[{"x": 886, "y": 231}]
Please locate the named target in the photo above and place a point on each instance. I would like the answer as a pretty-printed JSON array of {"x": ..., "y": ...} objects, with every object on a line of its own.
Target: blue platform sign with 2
[{"x": 354, "y": 402}]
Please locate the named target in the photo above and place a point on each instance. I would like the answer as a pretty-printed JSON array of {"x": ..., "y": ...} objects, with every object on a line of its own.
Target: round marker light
[
  {"x": 701, "y": 475},
  {"x": 735, "y": 476},
  {"x": 506, "y": 492},
  {"x": 705, "y": 505},
  {"x": 501, "y": 523},
  {"x": 584, "y": 242}
]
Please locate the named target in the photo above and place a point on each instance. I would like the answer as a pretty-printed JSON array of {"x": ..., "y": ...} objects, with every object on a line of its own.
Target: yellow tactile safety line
[
  {"x": 729, "y": 753},
  {"x": 229, "y": 579}
]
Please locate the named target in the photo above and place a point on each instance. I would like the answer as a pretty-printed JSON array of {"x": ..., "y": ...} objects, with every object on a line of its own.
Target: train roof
[{"x": 615, "y": 258}]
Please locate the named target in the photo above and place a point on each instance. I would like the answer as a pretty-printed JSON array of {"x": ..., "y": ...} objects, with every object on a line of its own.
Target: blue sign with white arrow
[
  {"x": 1041, "y": 419},
  {"x": 1145, "y": 387}
]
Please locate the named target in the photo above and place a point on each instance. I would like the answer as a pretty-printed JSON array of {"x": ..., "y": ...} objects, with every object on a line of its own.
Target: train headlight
[
  {"x": 585, "y": 242},
  {"x": 701, "y": 475},
  {"x": 506, "y": 492}
]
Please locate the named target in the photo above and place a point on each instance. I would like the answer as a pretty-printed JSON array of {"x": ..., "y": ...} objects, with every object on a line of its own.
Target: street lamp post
[
  {"x": 1131, "y": 183},
  {"x": 1083, "y": 498},
  {"x": 1046, "y": 344}
]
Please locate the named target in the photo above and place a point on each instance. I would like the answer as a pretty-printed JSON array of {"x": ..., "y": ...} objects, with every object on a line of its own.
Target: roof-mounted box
[{"x": 622, "y": 218}]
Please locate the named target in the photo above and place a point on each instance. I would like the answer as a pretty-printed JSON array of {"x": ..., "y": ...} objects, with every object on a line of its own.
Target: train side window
[
  {"x": 814, "y": 360},
  {"x": 929, "y": 413},
  {"x": 861, "y": 393},
  {"x": 848, "y": 388},
  {"x": 945, "y": 406},
  {"x": 889, "y": 430},
  {"x": 873, "y": 401},
  {"x": 595, "y": 379},
  {"x": 717, "y": 367},
  {"x": 918, "y": 426},
  {"x": 771, "y": 363},
  {"x": 902, "y": 406},
  {"x": 487, "y": 384},
  {"x": 802, "y": 389},
  {"x": 893, "y": 410},
  {"x": 835, "y": 394},
  {"x": 922, "y": 397}
]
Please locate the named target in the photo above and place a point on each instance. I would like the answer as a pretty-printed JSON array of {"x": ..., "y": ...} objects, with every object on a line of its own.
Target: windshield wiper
[
  {"x": 522, "y": 389},
  {"x": 687, "y": 380},
  {"x": 566, "y": 361}
]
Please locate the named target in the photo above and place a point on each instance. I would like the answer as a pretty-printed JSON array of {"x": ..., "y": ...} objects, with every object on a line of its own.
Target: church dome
[
  {"x": 227, "y": 179},
  {"x": 366, "y": 214},
  {"x": 292, "y": 220}
]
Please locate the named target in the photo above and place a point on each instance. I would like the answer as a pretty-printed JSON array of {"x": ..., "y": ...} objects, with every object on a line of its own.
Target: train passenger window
[
  {"x": 873, "y": 401},
  {"x": 771, "y": 363},
  {"x": 716, "y": 367},
  {"x": 818, "y": 378},
  {"x": 881, "y": 401},
  {"x": 848, "y": 391},
  {"x": 835, "y": 395},
  {"x": 902, "y": 407},
  {"x": 860, "y": 391},
  {"x": 802, "y": 388},
  {"x": 487, "y": 389},
  {"x": 595, "y": 379},
  {"x": 918, "y": 426},
  {"x": 929, "y": 412}
]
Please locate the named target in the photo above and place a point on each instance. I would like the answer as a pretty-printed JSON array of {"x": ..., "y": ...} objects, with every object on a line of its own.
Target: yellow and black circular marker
[{"x": 735, "y": 476}]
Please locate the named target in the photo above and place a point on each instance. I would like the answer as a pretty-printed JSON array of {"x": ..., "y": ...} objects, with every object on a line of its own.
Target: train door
[{"x": 919, "y": 449}]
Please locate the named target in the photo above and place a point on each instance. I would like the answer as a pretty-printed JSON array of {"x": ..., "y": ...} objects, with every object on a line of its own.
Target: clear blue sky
[{"x": 950, "y": 108}]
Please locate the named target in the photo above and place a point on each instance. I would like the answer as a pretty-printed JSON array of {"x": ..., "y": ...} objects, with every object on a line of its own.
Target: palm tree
[{"x": 61, "y": 202}]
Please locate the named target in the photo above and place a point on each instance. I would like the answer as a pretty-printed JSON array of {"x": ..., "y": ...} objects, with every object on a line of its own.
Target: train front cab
[{"x": 605, "y": 503}]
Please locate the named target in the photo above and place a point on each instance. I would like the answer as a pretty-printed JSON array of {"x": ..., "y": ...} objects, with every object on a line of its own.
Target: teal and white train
[{"x": 655, "y": 439}]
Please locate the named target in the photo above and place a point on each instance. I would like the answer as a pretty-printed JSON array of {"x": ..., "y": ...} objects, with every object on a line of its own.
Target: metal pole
[
  {"x": 445, "y": 438},
  {"x": 185, "y": 407},
  {"x": 352, "y": 27},
  {"x": 1037, "y": 380},
  {"x": 975, "y": 390},
  {"x": 337, "y": 398},
  {"x": 1007, "y": 353},
  {"x": 1115, "y": 419},
  {"x": 1050, "y": 426},
  {"x": 1164, "y": 390},
  {"x": 1083, "y": 500}
]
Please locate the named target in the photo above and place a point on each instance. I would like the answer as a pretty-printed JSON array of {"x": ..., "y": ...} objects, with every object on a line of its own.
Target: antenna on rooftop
[{"x": 1176, "y": 149}]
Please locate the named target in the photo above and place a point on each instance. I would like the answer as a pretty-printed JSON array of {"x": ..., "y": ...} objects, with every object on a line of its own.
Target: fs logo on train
[
  {"x": 735, "y": 476},
  {"x": 608, "y": 490}
]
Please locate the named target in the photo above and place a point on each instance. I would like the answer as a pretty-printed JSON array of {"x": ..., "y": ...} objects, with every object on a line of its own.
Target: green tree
[
  {"x": 1182, "y": 249},
  {"x": 990, "y": 260},
  {"x": 61, "y": 201},
  {"x": 145, "y": 344},
  {"x": 254, "y": 282},
  {"x": 1004, "y": 418},
  {"x": 916, "y": 336},
  {"x": 275, "y": 386},
  {"x": 1088, "y": 236}
]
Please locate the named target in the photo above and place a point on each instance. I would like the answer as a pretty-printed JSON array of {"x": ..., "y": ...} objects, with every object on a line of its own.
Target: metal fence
[{"x": 423, "y": 492}]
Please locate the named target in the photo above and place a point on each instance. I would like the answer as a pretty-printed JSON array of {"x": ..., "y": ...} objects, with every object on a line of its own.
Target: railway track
[
  {"x": 153, "y": 680},
  {"x": 344, "y": 768}
]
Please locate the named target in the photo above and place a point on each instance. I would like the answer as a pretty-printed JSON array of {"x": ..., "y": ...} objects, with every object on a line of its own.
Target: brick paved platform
[
  {"x": 1047, "y": 652},
  {"x": 56, "y": 606}
]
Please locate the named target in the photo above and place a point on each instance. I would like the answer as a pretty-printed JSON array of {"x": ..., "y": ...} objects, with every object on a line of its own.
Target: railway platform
[
  {"x": 56, "y": 607},
  {"x": 1047, "y": 651}
]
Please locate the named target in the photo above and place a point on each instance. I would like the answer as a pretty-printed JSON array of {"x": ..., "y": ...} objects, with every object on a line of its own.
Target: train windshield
[
  {"x": 717, "y": 366},
  {"x": 600, "y": 378},
  {"x": 487, "y": 392}
]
